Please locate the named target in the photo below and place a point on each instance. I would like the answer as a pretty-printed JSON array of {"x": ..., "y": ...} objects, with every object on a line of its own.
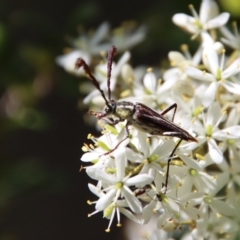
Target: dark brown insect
[{"x": 137, "y": 114}]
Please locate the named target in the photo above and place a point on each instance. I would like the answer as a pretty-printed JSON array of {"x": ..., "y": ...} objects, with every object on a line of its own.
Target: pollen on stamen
[
  {"x": 91, "y": 146},
  {"x": 199, "y": 157},
  {"x": 235, "y": 28},
  {"x": 89, "y": 202},
  {"x": 214, "y": 177},
  {"x": 173, "y": 63},
  {"x": 146, "y": 161},
  {"x": 222, "y": 61},
  {"x": 125, "y": 93},
  {"x": 177, "y": 162},
  {"x": 85, "y": 148},
  {"x": 107, "y": 230},
  {"x": 185, "y": 98},
  {"x": 186, "y": 205},
  {"x": 103, "y": 54},
  {"x": 184, "y": 48},
  {"x": 89, "y": 136},
  {"x": 149, "y": 69},
  {"x": 193, "y": 11},
  {"x": 119, "y": 225}
]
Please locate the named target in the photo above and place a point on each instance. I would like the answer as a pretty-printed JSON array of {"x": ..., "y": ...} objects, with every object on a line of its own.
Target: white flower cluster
[
  {"x": 202, "y": 200},
  {"x": 89, "y": 45}
]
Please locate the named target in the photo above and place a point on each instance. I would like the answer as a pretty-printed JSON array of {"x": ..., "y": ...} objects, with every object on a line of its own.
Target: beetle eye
[{"x": 108, "y": 109}]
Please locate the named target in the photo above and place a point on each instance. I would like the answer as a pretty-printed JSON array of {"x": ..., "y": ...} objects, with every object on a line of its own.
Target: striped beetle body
[{"x": 143, "y": 118}]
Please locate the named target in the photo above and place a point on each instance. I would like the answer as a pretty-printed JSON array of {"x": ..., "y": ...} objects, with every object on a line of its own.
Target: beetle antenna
[
  {"x": 81, "y": 63},
  {"x": 112, "y": 51}
]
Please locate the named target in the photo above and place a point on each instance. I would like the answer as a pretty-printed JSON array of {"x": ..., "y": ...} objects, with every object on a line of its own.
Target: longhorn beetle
[{"x": 137, "y": 114}]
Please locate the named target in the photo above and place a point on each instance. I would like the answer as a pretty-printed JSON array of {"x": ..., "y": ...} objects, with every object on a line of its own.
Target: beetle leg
[
  {"x": 168, "y": 164},
  {"x": 113, "y": 123},
  {"x": 168, "y": 109}
]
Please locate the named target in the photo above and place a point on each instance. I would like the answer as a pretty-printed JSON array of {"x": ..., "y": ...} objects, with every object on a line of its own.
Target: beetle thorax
[{"x": 124, "y": 110}]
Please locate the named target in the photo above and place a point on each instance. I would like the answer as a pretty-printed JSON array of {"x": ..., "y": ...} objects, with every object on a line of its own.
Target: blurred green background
[{"x": 42, "y": 193}]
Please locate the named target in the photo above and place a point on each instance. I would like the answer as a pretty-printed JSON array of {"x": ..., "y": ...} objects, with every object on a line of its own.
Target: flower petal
[
  {"x": 162, "y": 219},
  {"x": 95, "y": 190},
  {"x": 232, "y": 70},
  {"x": 227, "y": 133},
  {"x": 209, "y": 95},
  {"x": 190, "y": 162},
  {"x": 98, "y": 174},
  {"x": 125, "y": 57},
  {"x": 231, "y": 87},
  {"x": 213, "y": 114},
  {"x": 130, "y": 216},
  {"x": 148, "y": 211},
  {"x": 164, "y": 149},
  {"x": 223, "y": 208},
  {"x": 101, "y": 32},
  {"x": 105, "y": 200},
  {"x": 68, "y": 61},
  {"x": 132, "y": 201},
  {"x": 214, "y": 151},
  {"x": 176, "y": 58},
  {"x": 140, "y": 180},
  {"x": 89, "y": 156},
  {"x": 208, "y": 10},
  {"x": 199, "y": 75},
  {"x": 185, "y": 21},
  {"x": 210, "y": 59},
  {"x": 120, "y": 161},
  {"x": 218, "y": 21},
  {"x": 150, "y": 81}
]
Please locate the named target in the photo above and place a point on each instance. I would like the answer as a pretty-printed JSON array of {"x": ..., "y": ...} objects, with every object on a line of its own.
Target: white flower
[
  {"x": 232, "y": 145},
  {"x": 208, "y": 131},
  {"x": 193, "y": 175},
  {"x": 206, "y": 20},
  {"x": 84, "y": 47},
  {"x": 120, "y": 206},
  {"x": 217, "y": 76},
  {"x": 213, "y": 226},
  {"x": 175, "y": 79},
  {"x": 68, "y": 61},
  {"x": 172, "y": 210},
  {"x": 151, "y": 156},
  {"x": 126, "y": 37},
  {"x": 145, "y": 232},
  {"x": 146, "y": 88},
  {"x": 194, "y": 106},
  {"x": 200, "y": 195},
  {"x": 93, "y": 44},
  {"x": 99, "y": 152},
  {"x": 232, "y": 168},
  {"x": 117, "y": 185},
  {"x": 218, "y": 208},
  {"x": 231, "y": 39}
]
